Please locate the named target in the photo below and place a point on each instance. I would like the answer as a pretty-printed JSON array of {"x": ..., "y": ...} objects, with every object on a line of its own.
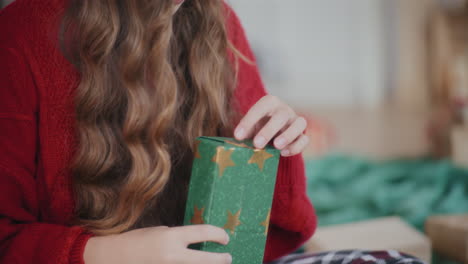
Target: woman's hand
[
  {"x": 271, "y": 118},
  {"x": 161, "y": 245}
]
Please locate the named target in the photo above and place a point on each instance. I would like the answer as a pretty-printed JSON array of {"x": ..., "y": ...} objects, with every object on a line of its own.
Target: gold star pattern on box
[
  {"x": 197, "y": 151},
  {"x": 266, "y": 222},
  {"x": 230, "y": 180},
  {"x": 232, "y": 221},
  {"x": 242, "y": 145},
  {"x": 223, "y": 159},
  {"x": 197, "y": 218},
  {"x": 259, "y": 157}
]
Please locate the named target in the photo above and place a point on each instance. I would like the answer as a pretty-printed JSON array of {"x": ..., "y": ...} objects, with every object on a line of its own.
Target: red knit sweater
[{"x": 37, "y": 138}]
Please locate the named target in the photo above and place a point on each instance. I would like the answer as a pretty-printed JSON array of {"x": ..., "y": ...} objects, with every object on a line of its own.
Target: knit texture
[{"x": 38, "y": 140}]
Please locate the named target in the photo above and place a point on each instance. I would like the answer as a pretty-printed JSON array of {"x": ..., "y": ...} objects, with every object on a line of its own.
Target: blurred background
[
  {"x": 384, "y": 85},
  {"x": 375, "y": 71}
]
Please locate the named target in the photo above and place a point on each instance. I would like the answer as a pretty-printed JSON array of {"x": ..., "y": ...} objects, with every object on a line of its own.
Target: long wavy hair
[{"x": 151, "y": 81}]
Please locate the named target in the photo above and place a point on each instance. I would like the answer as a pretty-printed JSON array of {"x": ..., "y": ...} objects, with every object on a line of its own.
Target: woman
[
  {"x": 103, "y": 100},
  {"x": 100, "y": 103}
]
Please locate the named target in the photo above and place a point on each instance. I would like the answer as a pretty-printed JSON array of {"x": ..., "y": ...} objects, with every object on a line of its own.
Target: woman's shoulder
[
  {"x": 233, "y": 24},
  {"x": 24, "y": 22},
  {"x": 29, "y": 51}
]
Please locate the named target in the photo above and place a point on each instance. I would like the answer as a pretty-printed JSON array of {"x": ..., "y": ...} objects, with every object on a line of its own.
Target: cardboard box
[
  {"x": 460, "y": 146},
  {"x": 449, "y": 235},
  {"x": 380, "y": 234}
]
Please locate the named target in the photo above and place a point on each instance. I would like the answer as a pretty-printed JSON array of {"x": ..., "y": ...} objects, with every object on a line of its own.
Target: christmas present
[
  {"x": 232, "y": 186},
  {"x": 449, "y": 235}
]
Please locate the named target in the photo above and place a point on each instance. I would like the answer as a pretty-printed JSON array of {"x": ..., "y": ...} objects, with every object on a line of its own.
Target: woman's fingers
[
  {"x": 200, "y": 233},
  {"x": 202, "y": 257},
  {"x": 296, "y": 147},
  {"x": 280, "y": 120},
  {"x": 277, "y": 121},
  {"x": 262, "y": 108},
  {"x": 295, "y": 130}
]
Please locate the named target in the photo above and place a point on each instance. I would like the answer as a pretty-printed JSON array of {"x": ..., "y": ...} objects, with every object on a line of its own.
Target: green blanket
[{"x": 345, "y": 189}]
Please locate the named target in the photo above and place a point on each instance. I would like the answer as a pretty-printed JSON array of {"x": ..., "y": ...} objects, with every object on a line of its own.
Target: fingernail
[
  {"x": 280, "y": 142},
  {"x": 285, "y": 152},
  {"x": 227, "y": 239},
  {"x": 259, "y": 141},
  {"x": 240, "y": 132},
  {"x": 229, "y": 258}
]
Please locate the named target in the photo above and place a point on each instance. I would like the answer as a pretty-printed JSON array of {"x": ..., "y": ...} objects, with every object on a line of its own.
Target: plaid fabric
[{"x": 350, "y": 257}]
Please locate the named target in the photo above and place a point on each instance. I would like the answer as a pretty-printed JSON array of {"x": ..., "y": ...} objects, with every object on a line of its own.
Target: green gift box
[{"x": 232, "y": 186}]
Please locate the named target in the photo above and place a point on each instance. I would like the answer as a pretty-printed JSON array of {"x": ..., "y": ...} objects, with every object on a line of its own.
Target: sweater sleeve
[
  {"x": 24, "y": 238},
  {"x": 293, "y": 219}
]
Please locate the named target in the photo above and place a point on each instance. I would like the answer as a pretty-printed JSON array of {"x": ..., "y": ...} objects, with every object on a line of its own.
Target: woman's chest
[{"x": 56, "y": 82}]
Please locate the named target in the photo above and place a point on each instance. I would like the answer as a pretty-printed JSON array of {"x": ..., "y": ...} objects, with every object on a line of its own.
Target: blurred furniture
[
  {"x": 378, "y": 134},
  {"x": 459, "y": 141},
  {"x": 380, "y": 234},
  {"x": 448, "y": 72},
  {"x": 409, "y": 75},
  {"x": 395, "y": 127},
  {"x": 449, "y": 235}
]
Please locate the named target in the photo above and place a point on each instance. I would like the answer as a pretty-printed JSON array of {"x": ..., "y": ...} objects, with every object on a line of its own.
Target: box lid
[{"x": 248, "y": 143}]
